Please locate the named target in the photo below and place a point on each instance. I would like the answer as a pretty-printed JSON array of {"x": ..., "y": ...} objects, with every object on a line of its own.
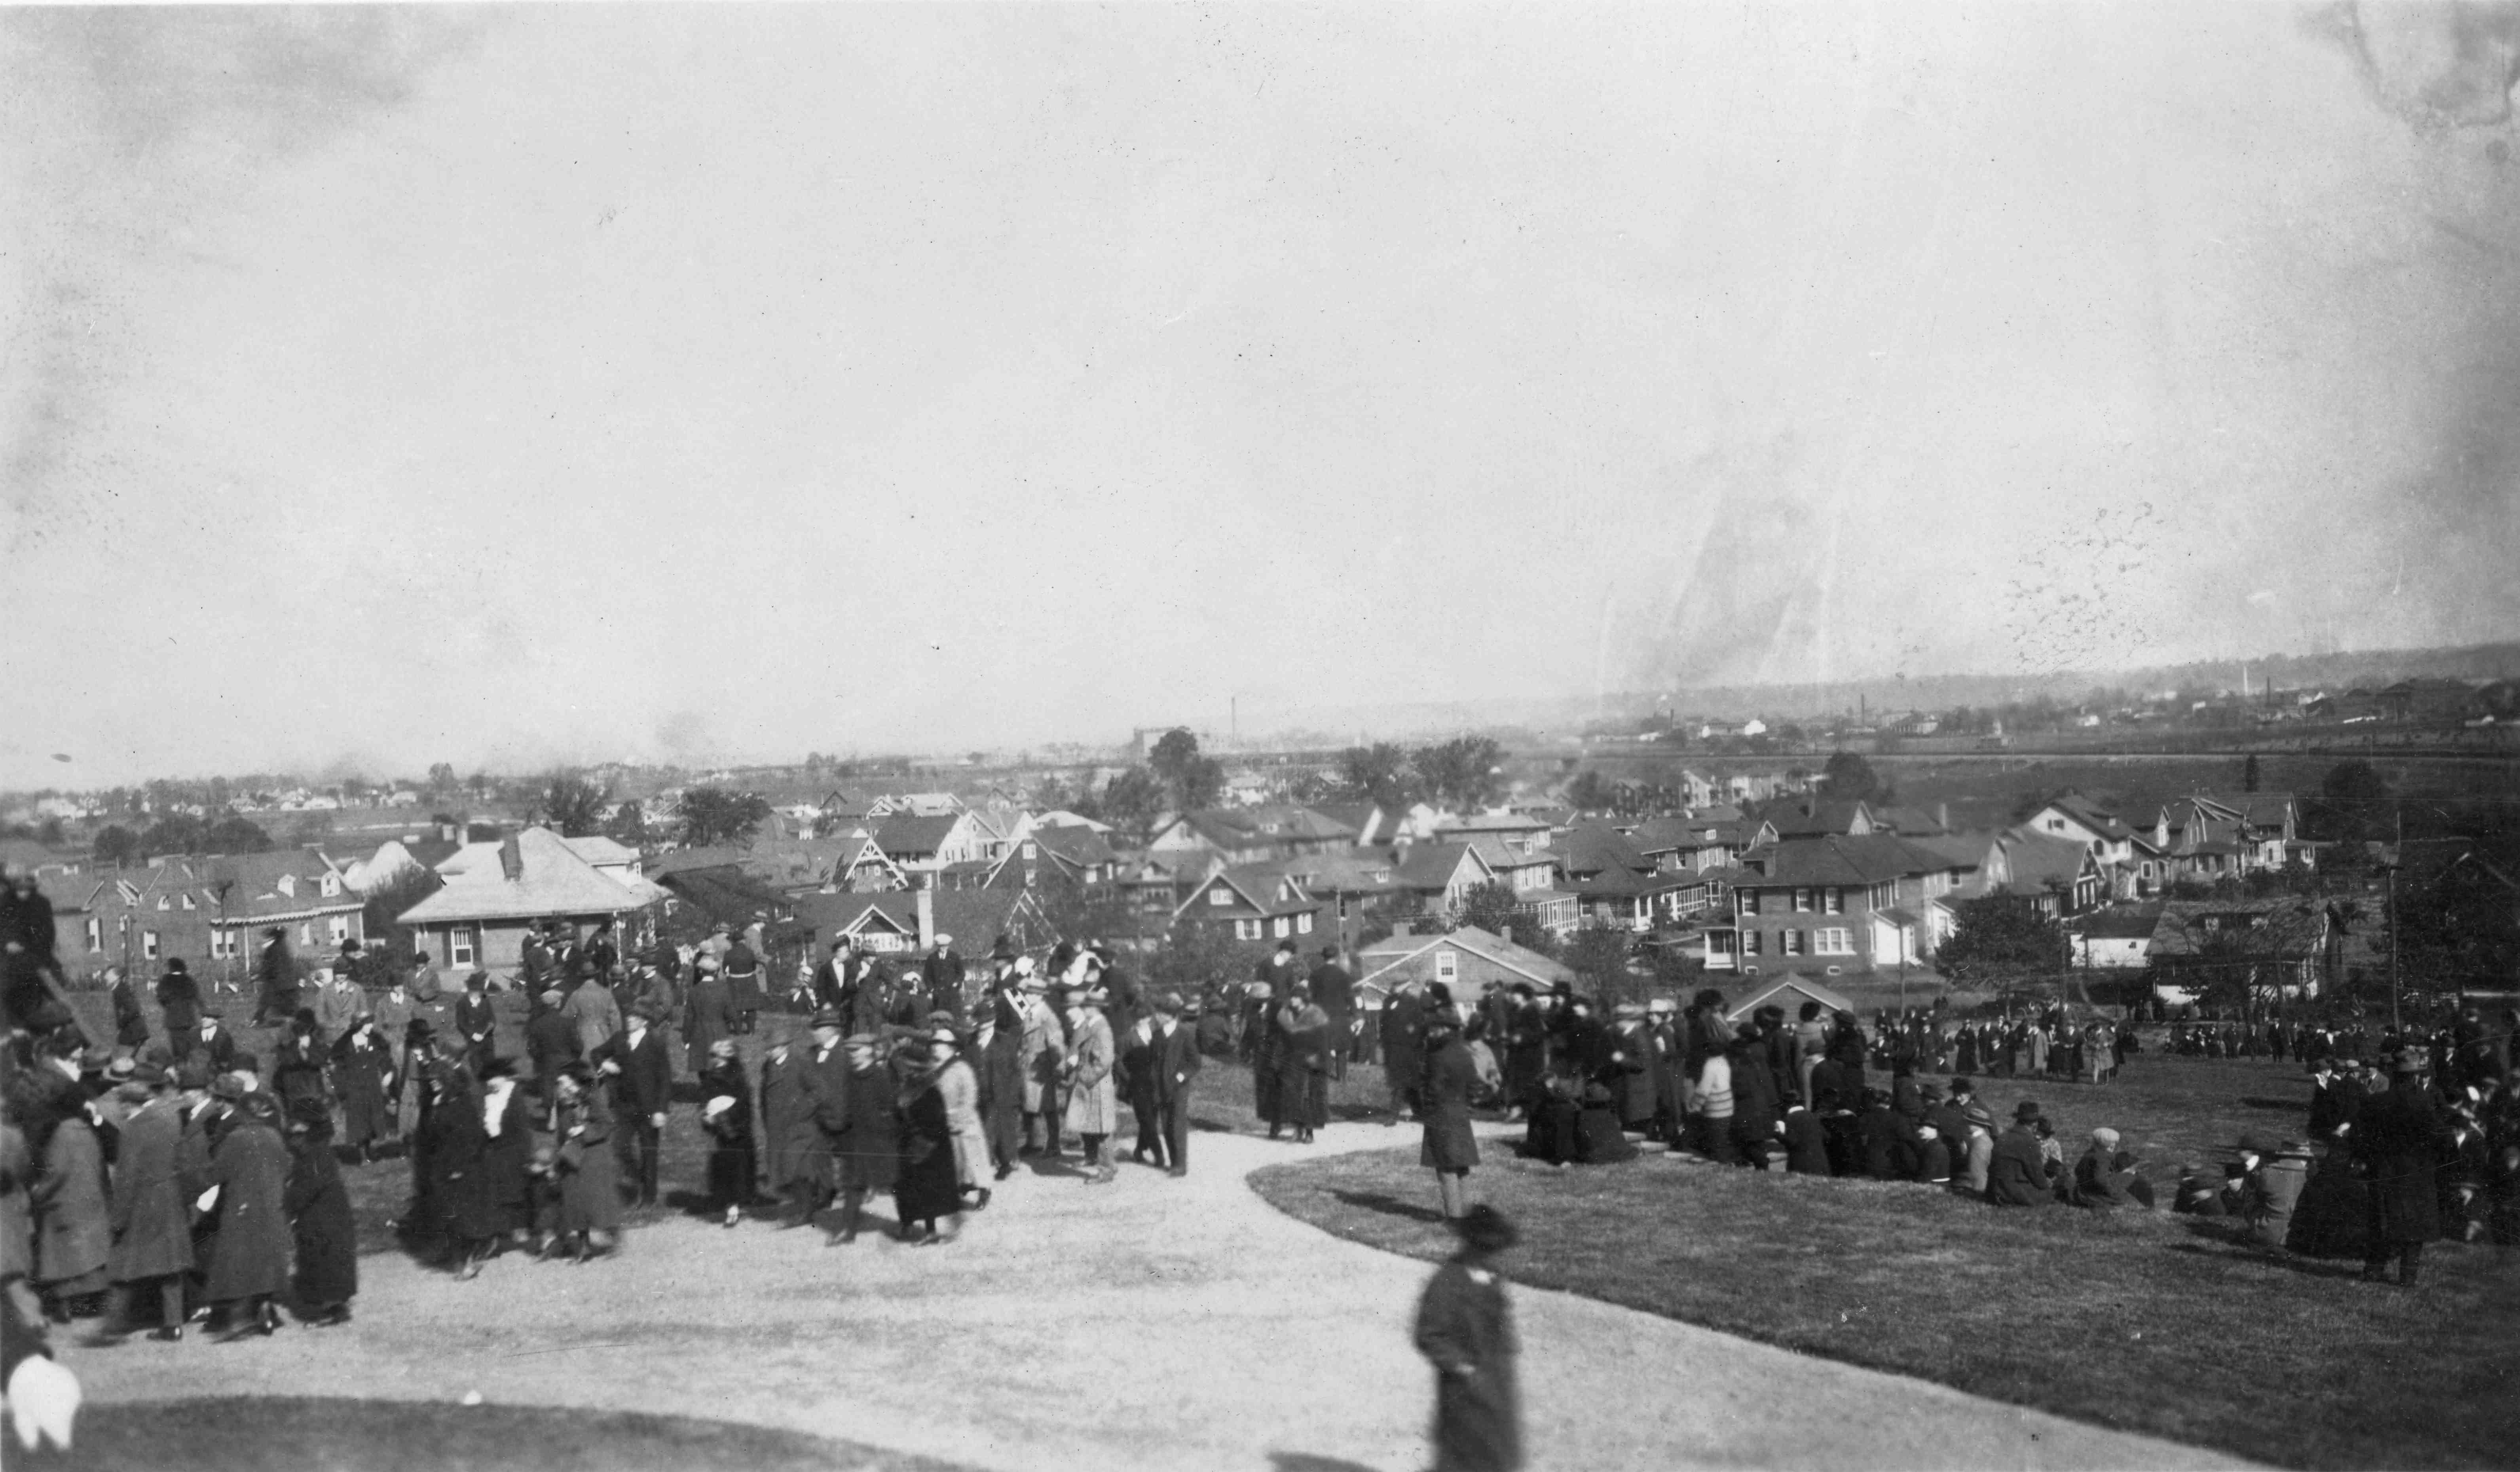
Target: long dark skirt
[{"x": 731, "y": 1170}]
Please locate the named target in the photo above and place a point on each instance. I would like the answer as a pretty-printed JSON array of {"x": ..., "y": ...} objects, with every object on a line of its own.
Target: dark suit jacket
[
  {"x": 2018, "y": 1175},
  {"x": 646, "y": 1085},
  {"x": 1175, "y": 1062}
]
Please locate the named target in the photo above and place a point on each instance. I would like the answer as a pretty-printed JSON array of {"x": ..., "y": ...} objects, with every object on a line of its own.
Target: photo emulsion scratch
[{"x": 1029, "y": 737}]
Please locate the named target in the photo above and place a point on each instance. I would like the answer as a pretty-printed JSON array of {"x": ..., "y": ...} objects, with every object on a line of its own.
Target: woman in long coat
[
  {"x": 153, "y": 1237},
  {"x": 1466, "y": 1330},
  {"x": 249, "y": 1262},
  {"x": 73, "y": 1223},
  {"x": 1449, "y": 1148},
  {"x": 362, "y": 1067},
  {"x": 929, "y": 1189},
  {"x": 707, "y": 1016},
  {"x": 130, "y": 1024},
  {"x": 726, "y": 1116},
  {"x": 960, "y": 1088},
  {"x": 1093, "y": 1097},
  {"x": 504, "y": 1195},
  {"x": 319, "y": 1218},
  {"x": 589, "y": 1214},
  {"x": 1303, "y": 1063}
]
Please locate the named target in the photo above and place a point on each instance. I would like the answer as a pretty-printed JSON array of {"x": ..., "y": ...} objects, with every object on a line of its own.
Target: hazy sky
[{"x": 508, "y": 386}]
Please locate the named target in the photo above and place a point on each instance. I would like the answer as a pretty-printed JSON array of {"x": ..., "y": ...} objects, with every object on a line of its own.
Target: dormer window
[
  {"x": 188, "y": 901},
  {"x": 288, "y": 884},
  {"x": 331, "y": 885}
]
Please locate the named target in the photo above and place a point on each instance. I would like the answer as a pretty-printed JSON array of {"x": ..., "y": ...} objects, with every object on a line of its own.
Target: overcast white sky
[{"x": 500, "y": 386}]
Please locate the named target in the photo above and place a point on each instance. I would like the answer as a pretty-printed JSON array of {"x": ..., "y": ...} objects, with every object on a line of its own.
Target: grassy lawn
[
  {"x": 392, "y": 1436},
  {"x": 2141, "y": 1321}
]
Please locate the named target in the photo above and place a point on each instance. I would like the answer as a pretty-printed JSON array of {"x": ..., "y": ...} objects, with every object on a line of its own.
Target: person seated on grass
[
  {"x": 1933, "y": 1156},
  {"x": 2097, "y": 1182},
  {"x": 1806, "y": 1142},
  {"x": 2270, "y": 1191},
  {"x": 1889, "y": 1140},
  {"x": 1598, "y": 1140},
  {"x": 2201, "y": 1192},
  {"x": 2018, "y": 1170},
  {"x": 1551, "y": 1136}
]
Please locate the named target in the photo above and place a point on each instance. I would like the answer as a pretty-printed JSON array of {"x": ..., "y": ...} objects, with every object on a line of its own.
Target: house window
[
  {"x": 1282, "y": 927},
  {"x": 163, "y": 904},
  {"x": 1837, "y": 899},
  {"x": 223, "y": 944},
  {"x": 1304, "y": 923},
  {"x": 187, "y": 901},
  {"x": 148, "y": 943},
  {"x": 331, "y": 885},
  {"x": 460, "y": 945},
  {"x": 1749, "y": 902},
  {"x": 1802, "y": 902},
  {"x": 1752, "y": 942},
  {"x": 1789, "y": 943},
  {"x": 1246, "y": 930},
  {"x": 1220, "y": 895},
  {"x": 1833, "y": 942},
  {"x": 305, "y": 932},
  {"x": 338, "y": 928},
  {"x": 1446, "y": 966},
  {"x": 95, "y": 933}
]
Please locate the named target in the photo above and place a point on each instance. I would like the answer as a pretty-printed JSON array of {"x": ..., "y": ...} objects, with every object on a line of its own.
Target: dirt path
[{"x": 1148, "y": 1323}]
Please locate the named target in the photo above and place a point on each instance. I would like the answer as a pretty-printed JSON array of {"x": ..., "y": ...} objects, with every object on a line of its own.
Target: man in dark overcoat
[
  {"x": 276, "y": 973},
  {"x": 2396, "y": 1140},
  {"x": 1335, "y": 993},
  {"x": 867, "y": 1140},
  {"x": 1404, "y": 1047},
  {"x": 643, "y": 1087},
  {"x": 1176, "y": 1064}
]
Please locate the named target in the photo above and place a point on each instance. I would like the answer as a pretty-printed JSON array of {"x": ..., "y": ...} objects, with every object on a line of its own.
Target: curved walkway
[{"x": 1149, "y": 1324}]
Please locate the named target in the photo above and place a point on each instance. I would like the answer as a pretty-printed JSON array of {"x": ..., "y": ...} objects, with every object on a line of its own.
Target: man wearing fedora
[
  {"x": 2018, "y": 1174},
  {"x": 643, "y": 1086},
  {"x": 1176, "y": 1062}
]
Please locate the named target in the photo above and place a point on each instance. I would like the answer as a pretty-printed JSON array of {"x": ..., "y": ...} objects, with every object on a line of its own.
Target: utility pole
[{"x": 2397, "y": 858}]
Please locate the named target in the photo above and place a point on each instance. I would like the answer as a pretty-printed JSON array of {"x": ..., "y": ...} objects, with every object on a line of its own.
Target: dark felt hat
[
  {"x": 2025, "y": 1111},
  {"x": 1484, "y": 1228},
  {"x": 830, "y": 1017}
]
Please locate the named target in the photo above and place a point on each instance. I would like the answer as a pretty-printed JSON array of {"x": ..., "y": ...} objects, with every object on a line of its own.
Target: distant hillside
[{"x": 2339, "y": 671}]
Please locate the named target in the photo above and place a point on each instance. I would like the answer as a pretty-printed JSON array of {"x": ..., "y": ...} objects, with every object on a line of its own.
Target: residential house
[
  {"x": 1354, "y": 888},
  {"x": 925, "y": 842},
  {"x": 1466, "y": 961},
  {"x": 1522, "y": 832},
  {"x": 910, "y": 920},
  {"x": 1615, "y": 884},
  {"x": 2116, "y": 939},
  {"x": 2056, "y": 877},
  {"x": 1436, "y": 876},
  {"x": 1821, "y": 816},
  {"x": 1252, "y": 835},
  {"x": 1840, "y": 904},
  {"x": 1256, "y": 900},
  {"x": 496, "y": 893},
  {"x": 1078, "y": 858},
  {"x": 2426, "y": 699},
  {"x": 419, "y": 850},
  {"x": 1533, "y": 879},
  {"x": 2277, "y": 947}
]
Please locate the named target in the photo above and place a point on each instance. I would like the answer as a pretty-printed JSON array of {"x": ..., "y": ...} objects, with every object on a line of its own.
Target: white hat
[
  {"x": 942, "y": 939},
  {"x": 1024, "y": 966},
  {"x": 717, "y": 1106}
]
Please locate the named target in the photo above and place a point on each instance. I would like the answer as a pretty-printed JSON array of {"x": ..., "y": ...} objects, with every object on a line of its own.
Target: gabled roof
[
  {"x": 975, "y": 917},
  {"x": 1963, "y": 850},
  {"x": 2092, "y": 814},
  {"x": 600, "y": 851},
  {"x": 1078, "y": 847},
  {"x": 2119, "y": 923},
  {"x": 915, "y": 833},
  {"x": 1492, "y": 823},
  {"x": 1365, "y": 818},
  {"x": 531, "y": 875},
  {"x": 1597, "y": 848},
  {"x": 2037, "y": 859},
  {"x": 284, "y": 884},
  {"x": 2285, "y": 925},
  {"x": 1789, "y": 991},
  {"x": 1060, "y": 818},
  {"x": 1398, "y": 950},
  {"x": 1431, "y": 867},
  {"x": 1842, "y": 858},
  {"x": 1820, "y": 816},
  {"x": 1257, "y": 884}
]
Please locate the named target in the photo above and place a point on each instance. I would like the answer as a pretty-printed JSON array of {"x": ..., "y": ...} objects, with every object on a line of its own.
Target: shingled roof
[{"x": 532, "y": 875}]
